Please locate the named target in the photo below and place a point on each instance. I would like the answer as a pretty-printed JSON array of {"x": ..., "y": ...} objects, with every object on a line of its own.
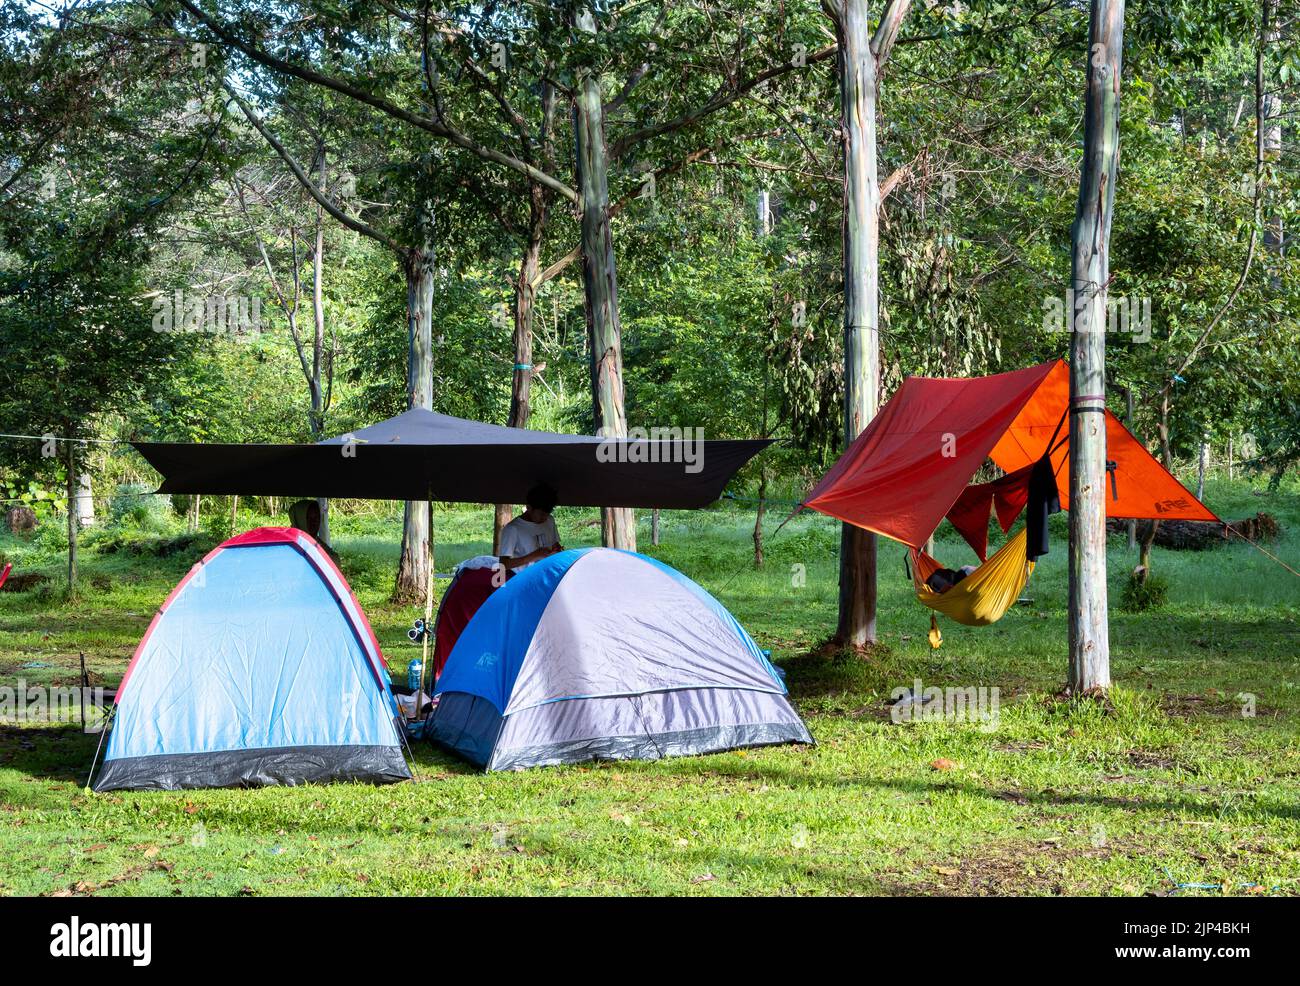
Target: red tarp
[
  {"x": 911, "y": 464},
  {"x": 1006, "y": 496}
]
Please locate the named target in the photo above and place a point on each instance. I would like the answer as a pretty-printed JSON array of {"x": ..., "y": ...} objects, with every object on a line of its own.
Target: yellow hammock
[{"x": 982, "y": 597}]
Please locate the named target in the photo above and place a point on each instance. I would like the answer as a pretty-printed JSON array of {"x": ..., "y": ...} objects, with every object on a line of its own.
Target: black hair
[{"x": 542, "y": 497}]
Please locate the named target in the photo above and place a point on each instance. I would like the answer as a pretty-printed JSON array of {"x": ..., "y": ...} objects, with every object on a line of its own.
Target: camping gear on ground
[
  {"x": 469, "y": 589},
  {"x": 414, "y": 671},
  {"x": 598, "y": 654},
  {"x": 910, "y": 466},
  {"x": 259, "y": 668},
  {"x": 422, "y": 455},
  {"x": 409, "y": 709}
]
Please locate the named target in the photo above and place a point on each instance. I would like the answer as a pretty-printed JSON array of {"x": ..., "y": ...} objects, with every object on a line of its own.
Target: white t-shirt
[{"x": 522, "y": 537}]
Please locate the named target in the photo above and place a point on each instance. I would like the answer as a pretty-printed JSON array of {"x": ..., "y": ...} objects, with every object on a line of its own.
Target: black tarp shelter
[{"x": 425, "y": 455}]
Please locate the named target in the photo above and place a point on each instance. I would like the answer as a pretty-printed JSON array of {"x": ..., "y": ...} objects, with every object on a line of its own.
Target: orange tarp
[
  {"x": 1143, "y": 488},
  {"x": 907, "y": 469}
]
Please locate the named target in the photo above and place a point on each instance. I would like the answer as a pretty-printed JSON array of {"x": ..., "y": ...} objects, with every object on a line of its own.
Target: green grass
[{"x": 1168, "y": 780}]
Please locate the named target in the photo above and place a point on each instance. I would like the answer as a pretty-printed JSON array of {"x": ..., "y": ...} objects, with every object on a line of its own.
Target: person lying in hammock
[{"x": 943, "y": 579}]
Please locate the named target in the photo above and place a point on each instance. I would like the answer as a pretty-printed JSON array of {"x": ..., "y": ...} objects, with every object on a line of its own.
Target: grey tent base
[
  {"x": 686, "y": 743},
  {"x": 469, "y": 726},
  {"x": 288, "y": 766}
]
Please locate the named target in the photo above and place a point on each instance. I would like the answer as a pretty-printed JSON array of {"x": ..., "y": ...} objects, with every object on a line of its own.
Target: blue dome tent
[
  {"x": 260, "y": 668},
  {"x": 597, "y": 654}
]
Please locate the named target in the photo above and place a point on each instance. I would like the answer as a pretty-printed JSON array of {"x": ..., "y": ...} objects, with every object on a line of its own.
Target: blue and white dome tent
[
  {"x": 597, "y": 654},
  {"x": 260, "y": 668}
]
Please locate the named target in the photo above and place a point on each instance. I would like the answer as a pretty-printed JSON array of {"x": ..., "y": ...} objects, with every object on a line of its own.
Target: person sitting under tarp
[{"x": 532, "y": 535}]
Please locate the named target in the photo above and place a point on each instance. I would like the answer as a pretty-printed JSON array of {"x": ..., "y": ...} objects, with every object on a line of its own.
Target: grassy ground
[{"x": 1169, "y": 784}]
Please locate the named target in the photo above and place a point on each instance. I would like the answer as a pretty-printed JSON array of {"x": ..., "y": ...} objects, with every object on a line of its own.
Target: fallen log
[{"x": 1198, "y": 535}]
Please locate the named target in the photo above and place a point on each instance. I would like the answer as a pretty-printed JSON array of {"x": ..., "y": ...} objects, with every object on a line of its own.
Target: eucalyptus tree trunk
[
  {"x": 858, "y": 87},
  {"x": 1090, "y": 273},
  {"x": 315, "y": 385},
  {"x": 413, "y": 570},
  {"x": 1270, "y": 122},
  {"x": 525, "y": 307},
  {"x": 604, "y": 331},
  {"x": 71, "y": 489}
]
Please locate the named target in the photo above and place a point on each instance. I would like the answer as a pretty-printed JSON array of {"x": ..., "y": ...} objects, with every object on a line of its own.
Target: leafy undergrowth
[{"x": 1189, "y": 773}]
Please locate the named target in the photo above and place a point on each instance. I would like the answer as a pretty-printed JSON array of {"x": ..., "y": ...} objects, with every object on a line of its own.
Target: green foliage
[
  {"x": 137, "y": 503},
  {"x": 1144, "y": 592}
]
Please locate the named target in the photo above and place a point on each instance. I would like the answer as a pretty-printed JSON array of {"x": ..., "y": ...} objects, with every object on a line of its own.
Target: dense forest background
[{"x": 201, "y": 241}]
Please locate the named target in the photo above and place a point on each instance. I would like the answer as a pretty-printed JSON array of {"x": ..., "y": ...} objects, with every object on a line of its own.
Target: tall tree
[
  {"x": 862, "y": 56},
  {"x": 605, "y": 333},
  {"x": 1090, "y": 280},
  {"x": 261, "y": 38}
]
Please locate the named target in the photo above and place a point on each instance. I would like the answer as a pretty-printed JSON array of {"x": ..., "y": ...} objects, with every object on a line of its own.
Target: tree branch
[
  {"x": 365, "y": 229},
  {"x": 438, "y": 128},
  {"x": 882, "y": 42},
  {"x": 719, "y": 101}
]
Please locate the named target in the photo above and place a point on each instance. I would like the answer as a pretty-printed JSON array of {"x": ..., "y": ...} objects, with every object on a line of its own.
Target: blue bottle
[{"x": 413, "y": 673}]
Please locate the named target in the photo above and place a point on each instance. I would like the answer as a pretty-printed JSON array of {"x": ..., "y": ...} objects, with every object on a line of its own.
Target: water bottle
[{"x": 414, "y": 671}]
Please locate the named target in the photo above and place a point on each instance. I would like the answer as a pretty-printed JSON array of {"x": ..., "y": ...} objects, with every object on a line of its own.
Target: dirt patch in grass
[
  {"x": 1145, "y": 760},
  {"x": 1015, "y": 869},
  {"x": 1213, "y": 703}
]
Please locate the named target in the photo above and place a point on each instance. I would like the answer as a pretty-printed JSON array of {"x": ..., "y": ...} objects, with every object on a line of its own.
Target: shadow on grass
[
  {"x": 1020, "y": 796},
  {"x": 50, "y": 753},
  {"x": 64, "y": 753}
]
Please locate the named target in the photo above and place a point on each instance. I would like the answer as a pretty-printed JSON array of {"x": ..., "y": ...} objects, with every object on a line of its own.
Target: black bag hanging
[{"x": 1044, "y": 500}]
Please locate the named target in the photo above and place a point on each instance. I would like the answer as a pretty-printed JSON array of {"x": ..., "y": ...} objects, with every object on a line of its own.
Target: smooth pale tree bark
[
  {"x": 71, "y": 488},
  {"x": 540, "y": 199},
  {"x": 1090, "y": 274},
  {"x": 1270, "y": 123},
  {"x": 604, "y": 330},
  {"x": 413, "y": 568},
  {"x": 319, "y": 399},
  {"x": 862, "y": 54},
  {"x": 85, "y": 500}
]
